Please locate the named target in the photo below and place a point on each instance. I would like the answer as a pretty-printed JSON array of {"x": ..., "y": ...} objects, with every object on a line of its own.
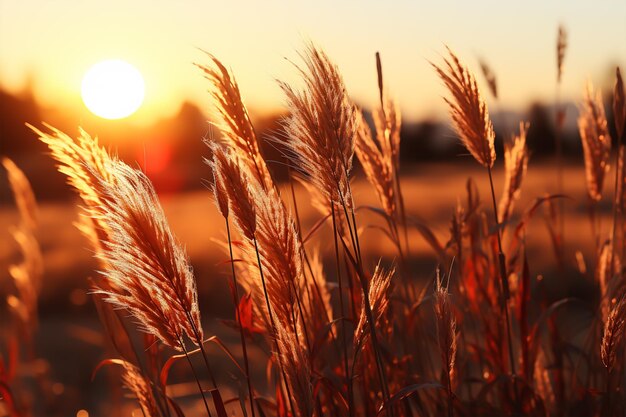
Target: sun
[{"x": 113, "y": 89}]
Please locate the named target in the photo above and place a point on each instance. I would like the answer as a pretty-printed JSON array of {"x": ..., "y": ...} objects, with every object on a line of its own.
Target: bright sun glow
[{"x": 113, "y": 89}]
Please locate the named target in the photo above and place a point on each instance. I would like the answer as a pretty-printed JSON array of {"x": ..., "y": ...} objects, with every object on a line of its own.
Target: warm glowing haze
[
  {"x": 52, "y": 44},
  {"x": 112, "y": 89}
]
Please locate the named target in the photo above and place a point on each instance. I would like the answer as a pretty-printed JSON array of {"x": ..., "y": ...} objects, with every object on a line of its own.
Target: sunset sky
[{"x": 51, "y": 44}]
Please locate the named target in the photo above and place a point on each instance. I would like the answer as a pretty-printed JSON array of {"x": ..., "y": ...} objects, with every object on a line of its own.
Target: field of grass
[{"x": 480, "y": 287}]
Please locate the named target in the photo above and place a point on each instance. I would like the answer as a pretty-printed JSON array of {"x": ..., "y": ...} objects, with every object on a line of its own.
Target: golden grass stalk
[
  {"x": 322, "y": 127},
  {"x": 515, "y": 162},
  {"x": 468, "y": 110},
  {"x": 388, "y": 122},
  {"x": 379, "y": 292},
  {"x": 490, "y": 76},
  {"x": 596, "y": 141},
  {"x": 271, "y": 239},
  {"x": 297, "y": 368},
  {"x": 148, "y": 267},
  {"x": 561, "y": 45},
  {"x": 133, "y": 380},
  {"x": 78, "y": 159},
  {"x": 472, "y": 123},
  {"x": 320, "y": 310},
  {"x": 279, "y": 248},
  {"x": 28, "y": 273},
  {"x": 234, "y": 121},
  {"x": 233, "y": 189},
  {"x": 613, "y": 334},
  {"x": 221, "y": 166},
  {"x": 377, "y": 166},
  {"x": 22, "y": 193},
  {"x": 260, "y": 215},
  {"x": 446, "y": 334}
]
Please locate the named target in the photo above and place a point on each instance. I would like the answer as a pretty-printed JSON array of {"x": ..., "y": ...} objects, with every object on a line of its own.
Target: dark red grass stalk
[
  {"x": 341, "y": 314},
  {"x": 238, "y": 316},
  {"x": 273, "y": 323},
  {"x": 505, "y": 294}
]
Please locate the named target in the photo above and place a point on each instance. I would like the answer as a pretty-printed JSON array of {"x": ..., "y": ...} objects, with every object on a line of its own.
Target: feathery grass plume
[
  {"x": 490, "y": 76},
  {"x": 596, "y": 141},
  {"x": 280, "y": 249},
  {"x": 515, "y": 163},
  {"x": 233, "y": 189},
  {"x": 468, "y": 110},
  {"x": 388, "y": 122},
  {"x": 78, "y": 159},
  {"x": 22, "y": 193},
  {"x": 26, "y": 274},
  {"x": 235, "y": 122},
  {"x": 613, "y": 333},
  {"x": 149, "y": 269},
  {"x": 446, "y": 334},
  {"x": 561, "y": 45},
  {"x": 319, "y": 311},
  {"x": 260, "y": 215},
  {"x": 297, "y": 368},
  {"x": 446, "y": 325},
  {"x": 322, "y": 127},
  {"x": 377, "y": 166},
  {"x": 379, "y": 293},
  {"x": 134, "y": 381},
  {"x": 619, "y": 104}
]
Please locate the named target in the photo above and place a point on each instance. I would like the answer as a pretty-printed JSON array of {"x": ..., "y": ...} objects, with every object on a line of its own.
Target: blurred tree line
[{"x": 171, "y": 149}]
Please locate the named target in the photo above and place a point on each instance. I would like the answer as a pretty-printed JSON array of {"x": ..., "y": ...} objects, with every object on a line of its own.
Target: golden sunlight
[{"x": 113, "y": 89}]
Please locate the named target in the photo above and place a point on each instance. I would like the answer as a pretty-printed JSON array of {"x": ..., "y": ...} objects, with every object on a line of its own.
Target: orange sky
[{"x": 53, "y": 43}]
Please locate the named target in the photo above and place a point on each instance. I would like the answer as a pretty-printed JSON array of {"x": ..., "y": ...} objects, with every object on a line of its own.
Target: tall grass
[{"x": 349, "y": 336}]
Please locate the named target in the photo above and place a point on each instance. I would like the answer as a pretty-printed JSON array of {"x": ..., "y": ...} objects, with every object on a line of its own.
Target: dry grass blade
[
  {"x": 379, "y": 292},
  {"x": 26, "y": 274},
  {"x": 561, "y": 45},
  {"x": 490, "y": 76},
  {"x": 297, "y": 369},
  {"x": 377, "y": 166},
  {"x": 446, "y": 335},
  {"x": 468, "y": 110},
  {"x": 322, "y": 127},
  {"x": 233, "y": 189},
  {"x": 446, "y": 326},
  {"x": 140, "y": 387},
  {"x": 23, "y": 194},
  {"x": 596, "y": 141},
  {"x": 515, "y": 162},
  {"x": 149, "y": 269},
  {"x": 235, "y": 122},
  {"x": 613, "y": 334}
]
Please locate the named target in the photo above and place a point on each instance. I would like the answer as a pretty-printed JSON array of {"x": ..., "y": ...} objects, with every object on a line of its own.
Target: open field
[{"x": 71, "y": 343}]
